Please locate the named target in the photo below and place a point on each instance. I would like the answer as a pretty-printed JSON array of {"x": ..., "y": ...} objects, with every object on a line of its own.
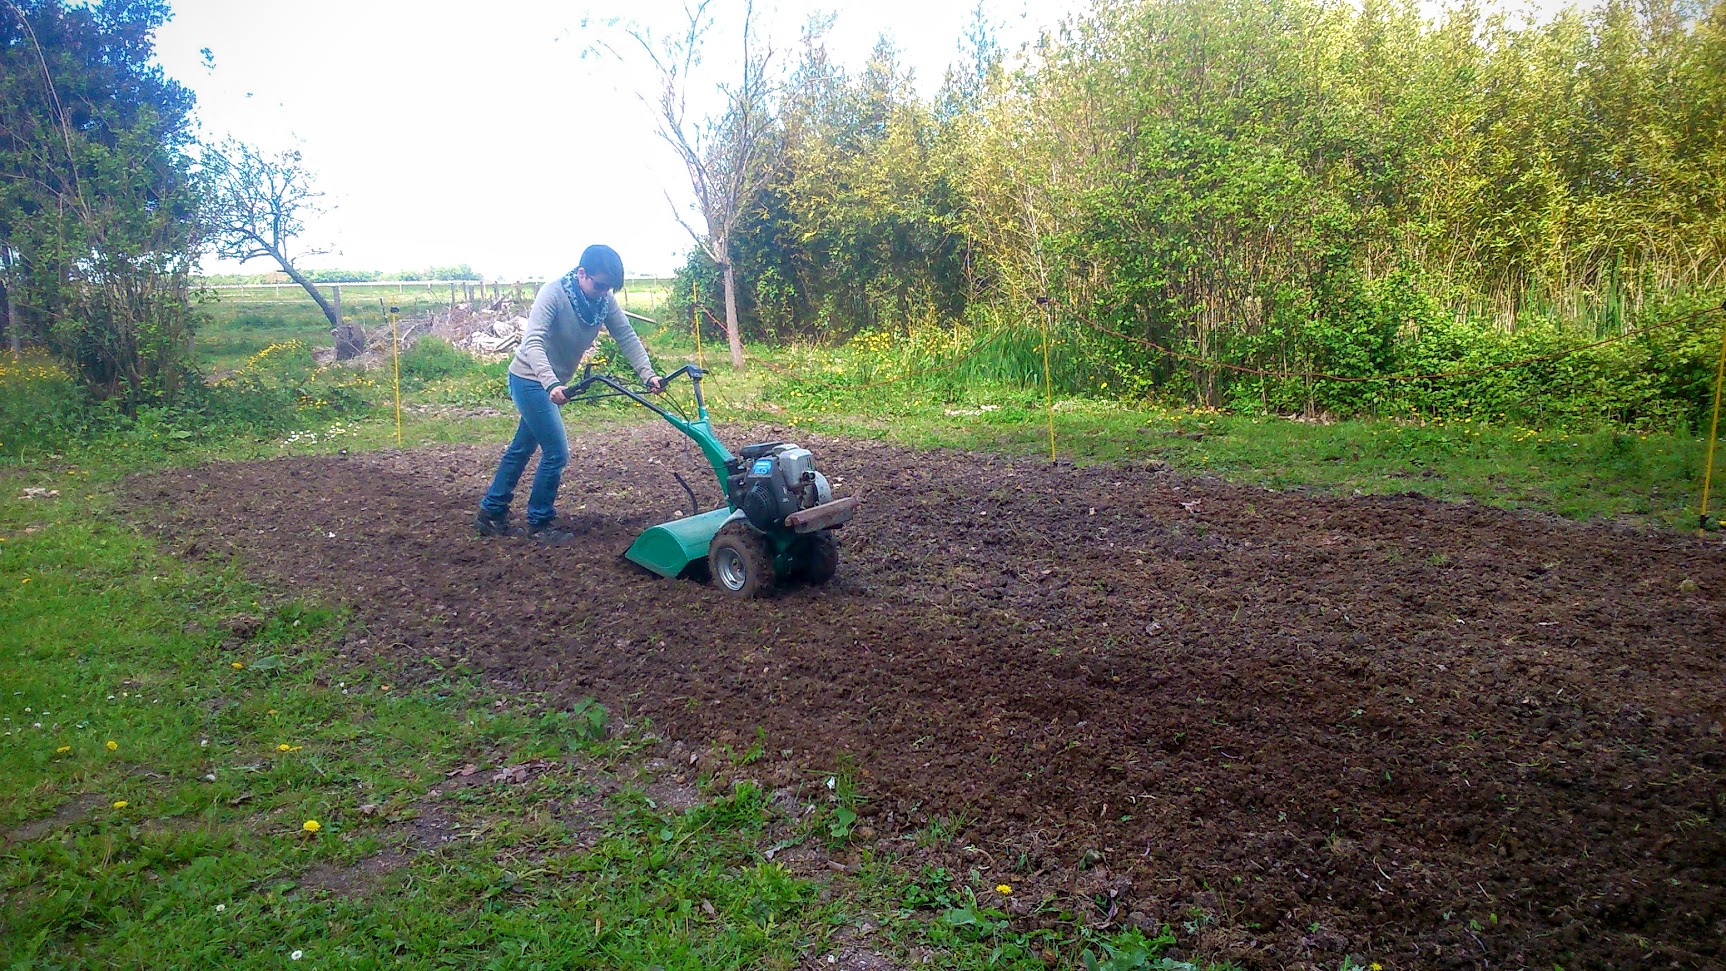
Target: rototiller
[{"x": 778, "y": 520}]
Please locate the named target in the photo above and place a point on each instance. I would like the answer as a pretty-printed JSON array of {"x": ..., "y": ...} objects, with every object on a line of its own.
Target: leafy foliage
[
  {"x": 1273, "y": 192},
  {"x": 96, "y": 236}
]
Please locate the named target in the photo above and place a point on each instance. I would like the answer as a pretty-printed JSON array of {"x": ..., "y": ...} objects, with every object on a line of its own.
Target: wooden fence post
[{"x": 350, "y": 341}]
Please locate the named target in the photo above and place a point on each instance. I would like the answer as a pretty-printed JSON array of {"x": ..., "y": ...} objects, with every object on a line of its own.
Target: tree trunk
[
  {"x": 732, "y": 333},
  {"x": 350, "y": 340}
]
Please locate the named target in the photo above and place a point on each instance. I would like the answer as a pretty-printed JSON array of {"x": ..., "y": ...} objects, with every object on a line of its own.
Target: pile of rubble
[
  {"x": 489, "y": 332},
  {"x": 496, "y": 340}
]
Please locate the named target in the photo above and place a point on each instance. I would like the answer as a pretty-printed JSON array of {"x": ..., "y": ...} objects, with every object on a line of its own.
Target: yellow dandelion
[
  {"x": 236, "y": 665},
  {"x": 62, "y": 750},
  {"x": 311, "y": 826},
  {"x": 284, "y": 747},
  {"x": 113, "y": 746},
  {"x": 121, "y": 804},
  {"x": 1003, "y": 888}
]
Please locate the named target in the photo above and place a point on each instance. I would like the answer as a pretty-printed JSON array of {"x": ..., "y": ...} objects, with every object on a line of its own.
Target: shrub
[{"x": 432, "y": 358}]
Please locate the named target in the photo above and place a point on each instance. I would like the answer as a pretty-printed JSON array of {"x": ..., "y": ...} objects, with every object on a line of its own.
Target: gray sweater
[{"x": 556, "y": 337}]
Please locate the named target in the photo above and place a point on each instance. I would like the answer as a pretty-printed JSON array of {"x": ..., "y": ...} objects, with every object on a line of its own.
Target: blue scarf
[{"x": 590, "y": 310}]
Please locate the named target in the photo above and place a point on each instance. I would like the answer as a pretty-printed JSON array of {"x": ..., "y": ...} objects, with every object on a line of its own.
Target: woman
[{"x": 561, "y": 327}]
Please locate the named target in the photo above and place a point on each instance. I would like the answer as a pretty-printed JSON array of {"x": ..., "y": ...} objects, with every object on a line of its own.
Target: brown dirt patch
[
  {"x": 1294, "y": 727},
  {"x": 64, "y": 815}
]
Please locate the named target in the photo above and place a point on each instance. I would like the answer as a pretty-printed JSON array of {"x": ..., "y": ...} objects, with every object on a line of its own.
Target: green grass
[{"x": 1594, "y": 475}]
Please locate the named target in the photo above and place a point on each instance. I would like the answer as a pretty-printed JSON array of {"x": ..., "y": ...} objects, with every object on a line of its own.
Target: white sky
[{"x": 455, "y": 132}]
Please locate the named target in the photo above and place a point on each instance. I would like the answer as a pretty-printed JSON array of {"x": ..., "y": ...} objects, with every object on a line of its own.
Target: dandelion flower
[
  {"x": 312, "y": 826},
  {"x": 295, "y": 956},
  {"x": 236, "y": 665},
  {"x": 221, "y": 907},
  {"x": 120, "y": 804},
  {"x": 1003, "y": 888},
  {"x": 62, "y": 750},
  {"x": 284, "y": 747},
  {"x": 113, "y": 746}
]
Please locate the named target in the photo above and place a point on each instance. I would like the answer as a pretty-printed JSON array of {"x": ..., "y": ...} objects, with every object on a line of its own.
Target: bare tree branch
[
  {"x": 728, "y": 156},
  {"x": 256, "y": 207}
]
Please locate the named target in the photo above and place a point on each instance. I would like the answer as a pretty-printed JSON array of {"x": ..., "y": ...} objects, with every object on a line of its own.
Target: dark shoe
[
  {"x": 548, "y": 533},
  {"x": 489, "y": 525}
]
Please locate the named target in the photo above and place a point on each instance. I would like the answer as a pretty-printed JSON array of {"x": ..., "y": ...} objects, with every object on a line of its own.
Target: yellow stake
[
  {"x": 1714, "y": 426},
  {"x": 1048, "y": 387},
  {"x": 695, "y": 319},
  {"x": 396, "y": 352}
]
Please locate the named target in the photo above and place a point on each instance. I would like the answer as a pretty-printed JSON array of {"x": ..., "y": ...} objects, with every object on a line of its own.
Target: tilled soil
[{"x": 1292, "y": 727}]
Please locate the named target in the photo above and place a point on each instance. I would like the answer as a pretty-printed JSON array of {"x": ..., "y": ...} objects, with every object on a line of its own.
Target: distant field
[{"x": 243, "y": 320}]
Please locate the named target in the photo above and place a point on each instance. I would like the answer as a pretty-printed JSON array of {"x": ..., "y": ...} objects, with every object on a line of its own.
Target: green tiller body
[{"x": 777, "y": 524}]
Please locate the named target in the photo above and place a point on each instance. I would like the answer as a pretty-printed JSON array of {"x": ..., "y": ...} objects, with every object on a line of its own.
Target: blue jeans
[{"x": 541, "y": 428}]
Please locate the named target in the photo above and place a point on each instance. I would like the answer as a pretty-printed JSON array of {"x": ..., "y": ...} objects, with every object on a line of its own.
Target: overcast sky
[{"x": 460, "y": 132}]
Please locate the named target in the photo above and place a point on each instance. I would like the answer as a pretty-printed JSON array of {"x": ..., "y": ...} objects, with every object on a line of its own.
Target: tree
[
  {"x": 730, "y": 154},
  {"x": 256, "y": 206},
  {"x": 868, "y": 188},
  {"x": 97, "y": 235}
]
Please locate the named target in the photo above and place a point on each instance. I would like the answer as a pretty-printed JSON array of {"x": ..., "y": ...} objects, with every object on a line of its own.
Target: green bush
[
  {"x": 1658, "y": 381},
  {"x": 433, "y": 358}
]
